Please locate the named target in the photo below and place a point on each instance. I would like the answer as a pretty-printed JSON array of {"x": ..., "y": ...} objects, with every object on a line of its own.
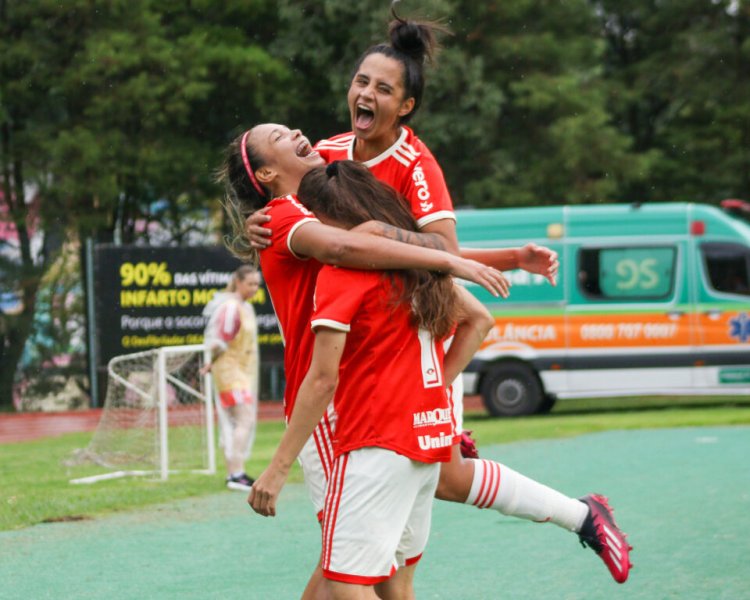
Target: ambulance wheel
[{"x": 512, "y": 390}]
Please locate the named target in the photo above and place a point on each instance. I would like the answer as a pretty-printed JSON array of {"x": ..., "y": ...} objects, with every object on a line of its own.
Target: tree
[
  {"x": 552, "y": 139},
  {"x": 109, "y": 109},
  {"x": 679, "y": 90}
]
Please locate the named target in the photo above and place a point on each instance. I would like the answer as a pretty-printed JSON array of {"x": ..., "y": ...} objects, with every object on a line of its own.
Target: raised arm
[
  {"x": 532, "y": 258},
  {"x": 315, "y": 394},
  {"x": 474, "y": 323},
  {"x": 340, "y": 247},
  {"x": 441, "y": 234}
]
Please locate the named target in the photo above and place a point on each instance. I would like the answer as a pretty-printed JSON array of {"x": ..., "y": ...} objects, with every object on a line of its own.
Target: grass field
[{"x": 35, "y": 484}]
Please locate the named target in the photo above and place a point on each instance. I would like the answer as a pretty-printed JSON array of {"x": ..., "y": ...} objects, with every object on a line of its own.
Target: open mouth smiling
[{"x": 363, "y": 116}]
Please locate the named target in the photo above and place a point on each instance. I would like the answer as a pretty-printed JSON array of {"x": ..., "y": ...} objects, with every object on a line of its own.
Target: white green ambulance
[{"x": 651, "y": 299}]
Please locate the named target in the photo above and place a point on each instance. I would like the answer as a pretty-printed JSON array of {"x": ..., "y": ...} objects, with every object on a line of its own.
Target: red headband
[{"x": 248, "y": 168}]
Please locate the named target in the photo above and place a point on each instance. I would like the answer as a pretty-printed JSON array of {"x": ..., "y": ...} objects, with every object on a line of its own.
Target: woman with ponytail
[
  {"x": 377, "y": 361},
  {"x": 385, "y": 92},
  {"x": 264, "y": 167}
]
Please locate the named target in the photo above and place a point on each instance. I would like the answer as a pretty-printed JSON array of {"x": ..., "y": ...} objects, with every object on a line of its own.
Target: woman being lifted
[{"x": 385, "y": 92}]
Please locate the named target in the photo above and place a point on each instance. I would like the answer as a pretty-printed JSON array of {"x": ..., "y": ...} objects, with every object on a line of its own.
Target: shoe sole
[{"x": 240, "y": 487}]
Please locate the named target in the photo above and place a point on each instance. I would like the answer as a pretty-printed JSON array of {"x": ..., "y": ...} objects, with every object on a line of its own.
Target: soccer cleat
[
  {"x": 242, "y": 483},
  {"x": 468, "y": 445},
  {"x": 600, "y": 533}
]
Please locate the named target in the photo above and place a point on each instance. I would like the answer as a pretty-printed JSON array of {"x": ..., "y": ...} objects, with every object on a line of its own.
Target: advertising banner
[{"x": 147, "y": 297}]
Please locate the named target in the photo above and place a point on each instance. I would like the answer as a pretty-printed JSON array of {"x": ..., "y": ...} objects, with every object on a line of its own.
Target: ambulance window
[
  {"x": 635, "y": 273},
  {"x": 727, "y": 267}
]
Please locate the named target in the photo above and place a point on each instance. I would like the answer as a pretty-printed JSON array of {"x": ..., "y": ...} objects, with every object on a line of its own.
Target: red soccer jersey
[
  {"x": 290, "y": 280},
  {"x": 408, "y": 166},
  {"x": 391, "y": 392}
]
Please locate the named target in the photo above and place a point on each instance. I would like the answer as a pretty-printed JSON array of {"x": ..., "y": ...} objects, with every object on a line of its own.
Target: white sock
[{"x": 499, "y": 487}]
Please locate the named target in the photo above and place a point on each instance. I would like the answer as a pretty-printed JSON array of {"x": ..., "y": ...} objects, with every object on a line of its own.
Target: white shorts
[
  {"x": 316, "y": 460},
  {"x": 316, "y": 457},
  {"x": 377, "y": 515}
]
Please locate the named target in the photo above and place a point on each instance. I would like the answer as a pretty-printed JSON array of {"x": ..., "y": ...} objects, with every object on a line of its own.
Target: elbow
[
  {"x": 324, "y": 385},
  {"x": 485, "y": 322}
]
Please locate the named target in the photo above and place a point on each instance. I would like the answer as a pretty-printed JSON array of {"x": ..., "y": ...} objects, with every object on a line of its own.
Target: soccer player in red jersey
[
  {"x": 378, "y": 347},
  {"x": 385, "y": 92},
  {"x": 263, "y": 167},
  {"x": 278, "y": 158}
]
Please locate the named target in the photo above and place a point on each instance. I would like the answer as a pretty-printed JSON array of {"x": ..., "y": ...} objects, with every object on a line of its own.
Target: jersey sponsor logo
[
  {"x": 431, "y": 442},
  {"x": 428, "y": 418},
  {"x": 522, "y": 333},
  {"x": 423, "y": 190}
]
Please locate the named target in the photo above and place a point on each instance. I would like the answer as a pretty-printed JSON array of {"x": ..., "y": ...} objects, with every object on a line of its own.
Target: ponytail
[
  {"x": 243, "y": 194},
  {"x": 348, "y": 193}
]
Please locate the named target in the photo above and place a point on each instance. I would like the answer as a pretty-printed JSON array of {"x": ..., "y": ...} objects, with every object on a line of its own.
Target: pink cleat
[
  {"x": 468, "y": 445},
  {"x": 603, "y": 536}
]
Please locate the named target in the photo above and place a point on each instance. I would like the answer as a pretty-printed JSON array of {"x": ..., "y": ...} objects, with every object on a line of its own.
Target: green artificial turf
[{"x": 35, "y": 488}]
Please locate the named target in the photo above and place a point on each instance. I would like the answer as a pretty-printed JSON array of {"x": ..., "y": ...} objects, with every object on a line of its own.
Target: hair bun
[
  {"x": 333, "y": 169},
  {"x": 410, "y": 38}
]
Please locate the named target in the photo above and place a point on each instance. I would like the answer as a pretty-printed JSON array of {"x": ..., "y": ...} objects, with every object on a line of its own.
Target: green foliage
[
  {"x": 114, "y": 113},
  {"x": 111, "y": 110},
  {"x": 553, "y": 140},
  {"x": 675, "y": 71}
]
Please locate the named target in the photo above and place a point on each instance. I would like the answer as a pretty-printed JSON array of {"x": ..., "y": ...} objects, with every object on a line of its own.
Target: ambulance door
[{"x": 723, "y": 313}]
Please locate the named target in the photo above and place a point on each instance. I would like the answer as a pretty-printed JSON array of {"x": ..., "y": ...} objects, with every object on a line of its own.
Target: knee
[{"x": 455, "y": 481}]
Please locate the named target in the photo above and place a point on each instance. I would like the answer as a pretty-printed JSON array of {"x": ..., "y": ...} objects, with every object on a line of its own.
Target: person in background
[{"x": 231, "y": 335}]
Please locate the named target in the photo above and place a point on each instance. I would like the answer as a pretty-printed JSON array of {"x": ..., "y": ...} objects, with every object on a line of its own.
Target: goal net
[{"x": 157, "y": 417}]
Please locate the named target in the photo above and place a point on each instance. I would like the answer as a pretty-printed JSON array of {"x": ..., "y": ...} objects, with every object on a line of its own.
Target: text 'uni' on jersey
[{"x": 408, "y": 166}]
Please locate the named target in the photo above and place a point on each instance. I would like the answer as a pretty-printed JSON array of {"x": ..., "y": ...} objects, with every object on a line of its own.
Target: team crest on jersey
[{"x": 428, "y": 418}]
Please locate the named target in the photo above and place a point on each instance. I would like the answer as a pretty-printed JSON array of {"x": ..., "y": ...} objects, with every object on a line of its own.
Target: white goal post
[{"x": 157, "y": 418}]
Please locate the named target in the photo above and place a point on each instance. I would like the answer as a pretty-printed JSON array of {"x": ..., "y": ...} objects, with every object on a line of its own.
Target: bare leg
[
  {"x": 456, "y": 477},
  {"x": 317, "y": 587},
  {"x": 398, "y": 587},
  {"x": 243, "y": 418},
  {"x": 350, "y": 591}
]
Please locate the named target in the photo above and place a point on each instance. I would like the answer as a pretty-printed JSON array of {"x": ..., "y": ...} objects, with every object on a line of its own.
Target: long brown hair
[{"x": 346, "y": 192}]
